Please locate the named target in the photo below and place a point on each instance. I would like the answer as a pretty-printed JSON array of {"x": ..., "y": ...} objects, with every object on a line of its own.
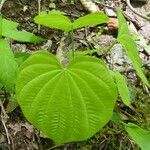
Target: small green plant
[
  {"x": 66, "y": 103},
  {"x": 130, "y": 47},
  {"x": 8, "y": 63},
  {"x": 73, "y": 102}
]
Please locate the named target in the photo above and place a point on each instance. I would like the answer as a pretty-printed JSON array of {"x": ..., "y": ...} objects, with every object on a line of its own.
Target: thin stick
[
  {"x": 39, "y": 12},
  {"x": 3, "y": 118},
  {"x": 1, "y": 4},
  {"x": 6, "y": 130},
  {"x": 72, "y": 43},
  {"x": 56, "y": 146},
  {"x": 137, "y": 13}
]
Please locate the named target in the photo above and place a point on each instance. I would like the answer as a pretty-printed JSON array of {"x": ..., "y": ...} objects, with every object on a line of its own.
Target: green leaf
[
  {"x": 116, "y": 118},
  {"x": 56, "y": 12},
  {"x": 130, "y": 47},
  {"x": 90, "y": 19},
  {"x": 9, "y": 29},
  {"x": 1, "y": 20},
  {"x": 57, "y": 20},
  {"x": 1, "y": 85},
  {"x": 54, "y": 20},
  {"x": 12, "y": 104},
  {"x": 23, "y": 36},
  {"x": 20, "y": 57},
  {"x": 139, "y": 135},
  {"x": 122, "y": 88},
  {"x": 8, "y": 66},
  {"x": 66, "y": 103}
]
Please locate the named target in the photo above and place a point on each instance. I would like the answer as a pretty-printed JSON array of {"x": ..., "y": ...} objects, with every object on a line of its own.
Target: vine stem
[
  {"x": 111, "y": 46},
  {"x": 72, "y": 43},
  {"x": 137, "y": 13},
  {"x": 107, "y": 49}
]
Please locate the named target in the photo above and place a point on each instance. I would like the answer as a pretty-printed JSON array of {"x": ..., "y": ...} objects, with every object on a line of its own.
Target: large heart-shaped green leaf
[{"x": 66, "y": 103}]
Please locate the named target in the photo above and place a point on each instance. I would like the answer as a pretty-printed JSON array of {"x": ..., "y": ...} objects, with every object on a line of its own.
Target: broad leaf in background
[
  {"x": 66, "y": 103},
  {"x": 57, "y": 20},
  {"x": 90, "y": 19},
  {"x": 139, "y": 135},
  {"x": 116, "y": 118},
  {"x": 12, "y": 104},
  {"x": 8, "y": 66},
  {"x": 9, "y": 29},
  {"x": 20, "y": 57},
  {"x": 54, "y": 20},
  {"x": 130, "y": 47},
  {"x": 122, "y": 88}
]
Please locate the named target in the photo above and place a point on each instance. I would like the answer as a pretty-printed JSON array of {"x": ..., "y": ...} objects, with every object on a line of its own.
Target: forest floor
[{"x": 18, "y": 134}]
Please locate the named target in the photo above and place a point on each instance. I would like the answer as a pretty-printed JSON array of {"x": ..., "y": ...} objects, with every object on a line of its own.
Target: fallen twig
[
  {"x": 1, "y": 4},
  {"x": 90, "y": 5},
  {"x": 39, "y": 12},
  {"x": 4, "y": 116}
]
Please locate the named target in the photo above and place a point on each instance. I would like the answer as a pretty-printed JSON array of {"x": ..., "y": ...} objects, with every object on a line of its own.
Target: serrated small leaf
[
  {"x": 139, "y": 135},
  {"x": 9, "y": 29},
  {"x": 90, "y": 19},
  {"x": 66, "y": 104},
  {"x": 122, "y": 88},
  {"x": 54, "y": 20},
  {"x": 130, "y": 47},
  {"x": 8, "y": 66}
]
